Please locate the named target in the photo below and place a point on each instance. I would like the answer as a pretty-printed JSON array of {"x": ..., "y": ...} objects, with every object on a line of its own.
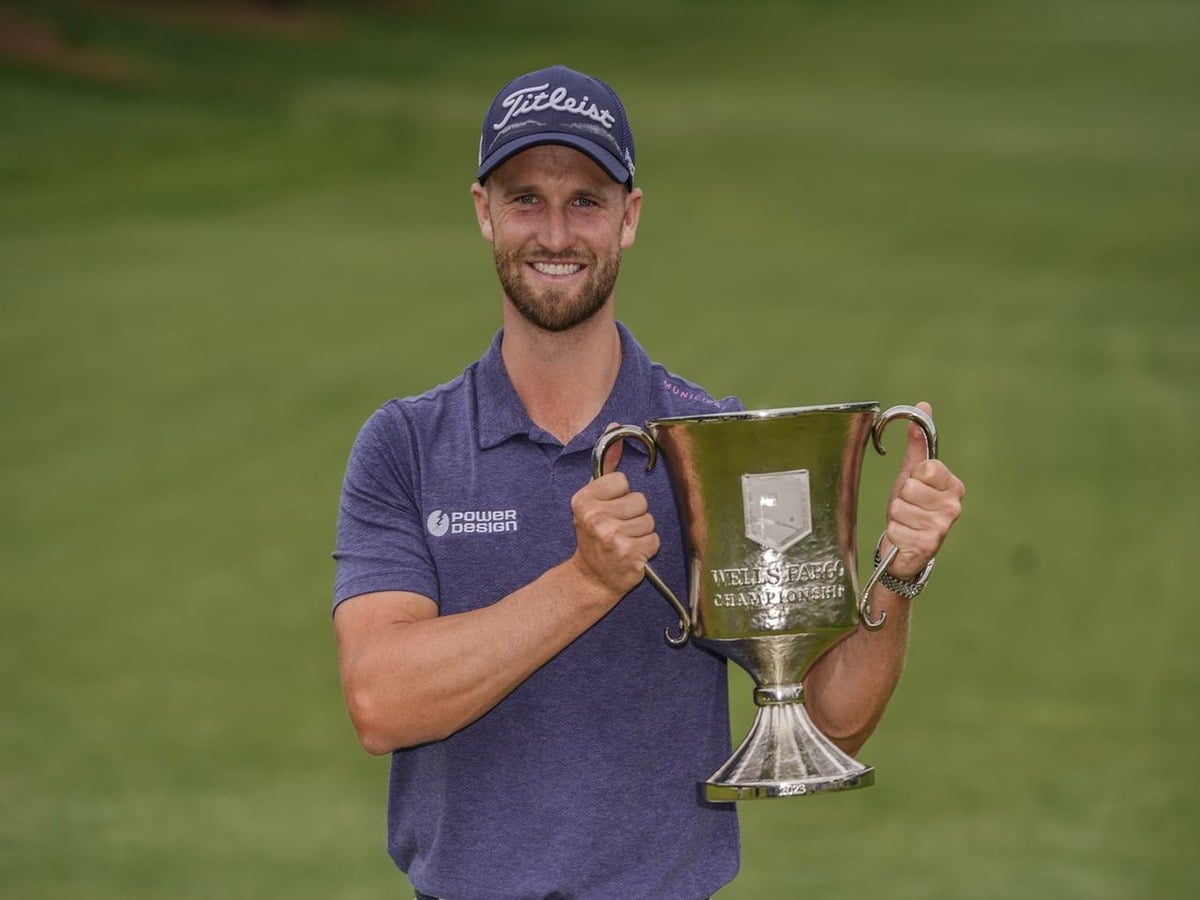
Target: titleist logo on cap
[{"x": 535, "y": 99}]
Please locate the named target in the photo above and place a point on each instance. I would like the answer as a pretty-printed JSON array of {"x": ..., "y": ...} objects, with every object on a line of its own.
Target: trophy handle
[
  {"x": 598, "y": 452},
  {"x": 931, "y": 452}
]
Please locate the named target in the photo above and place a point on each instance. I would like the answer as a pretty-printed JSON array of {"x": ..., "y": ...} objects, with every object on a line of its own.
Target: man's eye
[
  {"x": 527, "y": 199},
  {"x": 584, "y": 201}
]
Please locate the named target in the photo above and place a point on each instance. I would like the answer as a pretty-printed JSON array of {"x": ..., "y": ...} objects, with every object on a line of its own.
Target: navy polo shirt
[{"x": 583, "y": 781}]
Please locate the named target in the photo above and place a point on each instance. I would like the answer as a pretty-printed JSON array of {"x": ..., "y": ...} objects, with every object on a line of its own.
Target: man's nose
[{"x": 555, "y": 234}]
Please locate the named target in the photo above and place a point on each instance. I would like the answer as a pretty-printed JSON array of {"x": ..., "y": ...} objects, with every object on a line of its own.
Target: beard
[{"x": 557, "y": 309}]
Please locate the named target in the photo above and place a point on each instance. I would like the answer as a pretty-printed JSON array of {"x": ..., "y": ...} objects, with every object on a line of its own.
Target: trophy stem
[{"x": 784, "y": 755}]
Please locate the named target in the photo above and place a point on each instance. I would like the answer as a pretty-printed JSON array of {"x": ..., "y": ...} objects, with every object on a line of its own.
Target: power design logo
[{"x": 471, "y": 521}]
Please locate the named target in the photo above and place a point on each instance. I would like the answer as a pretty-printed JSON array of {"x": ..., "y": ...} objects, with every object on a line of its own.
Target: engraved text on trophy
[{"x": 782, "y": 583}]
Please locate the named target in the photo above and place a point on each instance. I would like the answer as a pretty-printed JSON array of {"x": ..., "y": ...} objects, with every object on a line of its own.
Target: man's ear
[
  {"x": 633, "y": 211},
  {"x": 483, "y": 214}
]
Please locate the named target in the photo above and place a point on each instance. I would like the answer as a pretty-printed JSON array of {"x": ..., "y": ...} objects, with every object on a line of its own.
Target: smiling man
[
  {"x": 495, "y": 632},
  {"x": 557, "y": 223}
]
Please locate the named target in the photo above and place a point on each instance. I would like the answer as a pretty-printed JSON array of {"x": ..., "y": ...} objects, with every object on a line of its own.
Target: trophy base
[
  {"x": 717, "y": 792},
  {"x": 784, "y": 755}
]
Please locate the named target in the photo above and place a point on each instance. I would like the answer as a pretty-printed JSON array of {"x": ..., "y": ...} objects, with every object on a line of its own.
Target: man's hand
[
  {"x": 926, "y": 500},
  {"x": 614, "y": 533}
]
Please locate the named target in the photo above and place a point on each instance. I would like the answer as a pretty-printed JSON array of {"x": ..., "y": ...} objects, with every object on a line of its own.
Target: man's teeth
[{"x": 557, "y": 268}]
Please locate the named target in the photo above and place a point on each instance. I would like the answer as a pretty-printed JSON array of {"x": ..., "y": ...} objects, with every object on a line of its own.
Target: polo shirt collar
[{"x": 502, "y": 415}]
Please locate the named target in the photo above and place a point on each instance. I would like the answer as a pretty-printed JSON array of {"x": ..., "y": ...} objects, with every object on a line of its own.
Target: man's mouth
[{"x": 557, "y": 269}]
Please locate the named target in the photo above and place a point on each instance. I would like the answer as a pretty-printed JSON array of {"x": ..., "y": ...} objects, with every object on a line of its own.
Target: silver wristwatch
[{"x": 906, "y": 589}]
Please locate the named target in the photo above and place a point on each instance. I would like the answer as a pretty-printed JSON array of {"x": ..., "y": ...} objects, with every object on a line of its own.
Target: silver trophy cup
[{"x": 768, "y": 502}]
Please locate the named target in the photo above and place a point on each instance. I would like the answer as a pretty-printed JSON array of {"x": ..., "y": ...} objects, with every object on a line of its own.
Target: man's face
[{"x": 557, "y": 224}]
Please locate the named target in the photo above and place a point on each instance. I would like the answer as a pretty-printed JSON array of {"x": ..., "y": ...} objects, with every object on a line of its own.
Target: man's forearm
[
  {"x": 409, "y": 681},
  {"x": 847, "y": 689}
]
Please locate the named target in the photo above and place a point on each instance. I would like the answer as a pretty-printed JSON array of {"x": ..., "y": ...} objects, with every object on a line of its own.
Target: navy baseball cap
[{"x": 558, "y": 106}]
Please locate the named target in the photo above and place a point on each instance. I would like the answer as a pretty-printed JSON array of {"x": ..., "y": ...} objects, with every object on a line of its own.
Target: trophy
[{"x": 768, "y": 501}]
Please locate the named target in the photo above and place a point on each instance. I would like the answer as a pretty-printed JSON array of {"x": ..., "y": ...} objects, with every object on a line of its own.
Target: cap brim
[{"x": 616, "y": 169}]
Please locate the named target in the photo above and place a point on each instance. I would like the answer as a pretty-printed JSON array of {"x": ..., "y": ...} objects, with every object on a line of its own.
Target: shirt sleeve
[{"x": 381, "y": 543}]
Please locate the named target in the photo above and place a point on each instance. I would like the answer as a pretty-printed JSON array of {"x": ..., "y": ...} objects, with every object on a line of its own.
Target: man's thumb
[
  {"x": 917, "y": 450},
  {"x": 612, "y": 456}
]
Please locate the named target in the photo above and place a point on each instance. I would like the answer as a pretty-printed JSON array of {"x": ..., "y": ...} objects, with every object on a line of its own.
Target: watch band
[{"x": 906, "y": 589}]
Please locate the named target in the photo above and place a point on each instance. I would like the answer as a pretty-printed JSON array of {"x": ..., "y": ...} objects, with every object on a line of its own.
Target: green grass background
[{"x": 212, "y": 272}]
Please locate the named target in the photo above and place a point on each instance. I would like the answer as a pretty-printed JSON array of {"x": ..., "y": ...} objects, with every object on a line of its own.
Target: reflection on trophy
[{"x": 768, "y": 501}]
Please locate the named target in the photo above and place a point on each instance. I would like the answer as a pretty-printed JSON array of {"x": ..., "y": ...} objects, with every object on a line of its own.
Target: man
[{"x": 494, "y": 630}]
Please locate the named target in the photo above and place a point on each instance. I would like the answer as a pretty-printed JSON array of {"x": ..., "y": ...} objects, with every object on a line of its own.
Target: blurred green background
[{"x": 229, "y": 232}]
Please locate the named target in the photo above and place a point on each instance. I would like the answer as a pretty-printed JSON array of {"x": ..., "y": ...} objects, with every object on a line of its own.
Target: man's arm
[
  {"x": 412, "y": 676},
  {"x": 849, "y": 687}
]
